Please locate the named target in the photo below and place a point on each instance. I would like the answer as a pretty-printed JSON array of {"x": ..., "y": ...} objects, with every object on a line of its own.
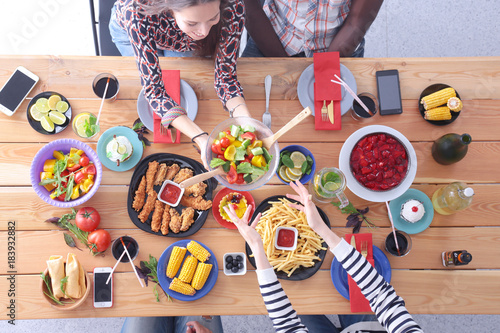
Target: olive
[
  {"x": 229, "y": 265},
  {"x": 229, "y": 259},
  {"x": 239, "y": 258},
  {"x": 235, "y": 269},
  {"x": 240, "y": 265},
  {"x": 235, "y": 263}
]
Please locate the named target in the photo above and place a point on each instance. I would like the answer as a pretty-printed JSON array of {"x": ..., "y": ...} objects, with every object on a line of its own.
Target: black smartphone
[
  {"x": 389, "y": 92},
  {"x": 103, "y": 292},
  {"x": 15, "y": 90}
]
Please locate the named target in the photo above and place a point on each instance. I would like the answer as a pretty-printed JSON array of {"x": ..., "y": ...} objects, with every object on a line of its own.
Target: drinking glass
[
  {"x": 84, "y": 125},
  {"x": 99, "y": 85},
  {"x": 404, "y": 243},
  {"x": 329, "y": 184},
  {"x": 357, "y": 111},
  {"x": 130, "y": 244}
]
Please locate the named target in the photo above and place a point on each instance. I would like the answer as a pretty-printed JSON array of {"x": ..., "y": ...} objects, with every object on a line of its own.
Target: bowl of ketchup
[
  {"x": 170, "y": 193},
  {"x": 286, "y": 238}
]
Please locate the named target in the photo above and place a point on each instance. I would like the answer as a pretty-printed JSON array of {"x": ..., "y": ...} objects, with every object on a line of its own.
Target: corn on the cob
[
  {"x": 181, "y": 287},
  {"x": 174, "y": 263},
  {"x": 201, "y": 275},
  {"x": 188, "y": 269},
  {"x": 455, "y": 104},
  {"x": 438, "y": 98},
  {"x": 198, "y": 251},
  {"x": 441, "y": 113}
]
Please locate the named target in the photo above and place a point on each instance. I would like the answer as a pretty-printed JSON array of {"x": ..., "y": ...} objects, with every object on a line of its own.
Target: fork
[
  {"x": 364, "y": 248},
  {"x": 324, "y": 112},
  {"x": 266, "y": 117}
]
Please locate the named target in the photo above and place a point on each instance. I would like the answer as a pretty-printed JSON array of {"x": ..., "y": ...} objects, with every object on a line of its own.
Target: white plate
[
  {"x": 305, "y": 88},
  {"x": 355, "y": 186},
  {"x": 188, "y": 102}
]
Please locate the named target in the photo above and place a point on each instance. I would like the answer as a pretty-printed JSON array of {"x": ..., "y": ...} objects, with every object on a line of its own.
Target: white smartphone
[
  {"x": 15, "y": 90},
  {"x": 103, "y": 293}
]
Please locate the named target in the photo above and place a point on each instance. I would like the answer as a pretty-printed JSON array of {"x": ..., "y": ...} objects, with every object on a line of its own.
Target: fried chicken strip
[
  {"x": 196, "y": 202},
  {"x": 165, "y": 220},
  {"x": 175, "y": 221},
  {"x": 140, "y": 195},
  {"x": 148, "y": 206},
  {"x": 187, "y": 218},
  {"x": 172, "y": 171},
  {"x": 157, "y": 215},
  {"x": 160, "y": 175},
  {"x": 183, "y": 174},
  {"x": 150, "y": 175},
  {"x": 197, "y": 190}
]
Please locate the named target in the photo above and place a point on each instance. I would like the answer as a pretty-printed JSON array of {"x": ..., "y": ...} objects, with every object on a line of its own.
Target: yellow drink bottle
[{"x": 452, "y": 198}]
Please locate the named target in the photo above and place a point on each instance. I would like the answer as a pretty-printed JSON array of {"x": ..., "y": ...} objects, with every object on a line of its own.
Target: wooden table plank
[{"x": 424, "y": 292}]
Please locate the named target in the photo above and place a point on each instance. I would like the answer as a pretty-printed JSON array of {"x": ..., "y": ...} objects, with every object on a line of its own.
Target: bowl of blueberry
[{"x": 235, "y": 263}]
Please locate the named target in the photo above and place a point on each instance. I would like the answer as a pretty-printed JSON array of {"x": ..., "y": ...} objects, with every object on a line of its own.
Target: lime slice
[
  {"x": 121, "y": 149},
  {"x": 62, "y": 106},
  {"x": 298, "y": 159},
  {"x": 290, "y": 175},
  {"x": 331, "y": 186},
  {"x": 79, "y": 124},
  {"x": 114, "y": 145},
  {"x": 53, "y": 100},
  {"x": 297, "y": 172},
  {"x": 57, "y": 117},
  {"x": 42, "y": 104},
  {"x": 282, "y": 174},
  {"x": 37, "y": 115},
  {"x": 47, "y": 124}
]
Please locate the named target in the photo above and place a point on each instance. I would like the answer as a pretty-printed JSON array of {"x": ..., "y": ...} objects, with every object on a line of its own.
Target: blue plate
[
  {"x": 400, "y": 223},
  {"x": 107, "y": 136},
  {"x": 165, "y": 281},
  {"x": 339, "y": 274}
]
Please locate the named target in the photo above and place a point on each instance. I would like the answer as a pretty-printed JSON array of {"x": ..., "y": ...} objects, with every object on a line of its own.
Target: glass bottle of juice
[{"x": 452, "y": 198}]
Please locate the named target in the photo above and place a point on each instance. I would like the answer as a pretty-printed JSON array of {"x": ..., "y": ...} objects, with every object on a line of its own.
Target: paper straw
[
  {"x": 102, "y": 101},
  {"x": 131, "y": 263},
  {"x": 392, "y": 225}
]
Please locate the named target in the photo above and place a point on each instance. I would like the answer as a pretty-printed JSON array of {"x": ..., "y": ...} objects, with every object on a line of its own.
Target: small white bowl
[
  {"x": 242, "y": 271},
  {"x": 291, "y": 248},
  {"x": 172, "y": 204}
]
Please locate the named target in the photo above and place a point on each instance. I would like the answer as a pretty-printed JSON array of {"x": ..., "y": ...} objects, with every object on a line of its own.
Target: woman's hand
[
  {"x": 196, "y": 327},
  {"x": 248, "y": 232},
  {"x": 202, "y": 145}
]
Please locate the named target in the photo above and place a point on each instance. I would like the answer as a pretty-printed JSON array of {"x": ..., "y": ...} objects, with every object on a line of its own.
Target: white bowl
[
  {"x": 289, "y": 248},
  {"x": 360, "y": 190},
  {"x": 242, "y": 271}
]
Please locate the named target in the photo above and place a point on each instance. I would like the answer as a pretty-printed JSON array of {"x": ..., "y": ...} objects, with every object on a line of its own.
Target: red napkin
[
  {"x": 172, "y": 83},
  {"x": 326, "y": 65},
  {"x": 359, "y": 303}
]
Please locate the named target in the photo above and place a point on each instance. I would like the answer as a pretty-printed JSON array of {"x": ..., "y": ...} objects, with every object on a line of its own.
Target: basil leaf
[
  {"x": 69, "y": 240},
  {"x": 303, "y": 168},
  {"x": 287, "y": 161}
]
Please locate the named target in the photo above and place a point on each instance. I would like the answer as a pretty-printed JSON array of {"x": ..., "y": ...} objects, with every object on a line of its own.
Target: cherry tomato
[
  {"x": 248, "y": 135},
  {"x": 99, "y": 240},
  {"x": 61, "y": 197},
  {"x": 87, "y": 219},
  {"x": 224, "y": 142},
  {"x": 79, "y": 177},
  {"x": 214, "y": 148},
  {"x": 74, "y": 167},
  {"x": 89, "y": 169},
  {"x": 232, "y": 175},
  {"x": 240, "y": 179},
  {"x": 65, "y": 180},
  {"x": 221, "y": 156},
  {"x": 84, "y": 161}
]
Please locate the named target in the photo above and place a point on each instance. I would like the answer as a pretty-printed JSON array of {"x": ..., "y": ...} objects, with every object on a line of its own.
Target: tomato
[
  {"x": 84, "y": 161},
  {"x": 214, "y": 148},
  {"x": 79, "y": 177},
  {"x": 232, "y": 175},
  {"x": 89, "y": 169},
  {"x": 217, "y": 148},
  {"x": 65, "y": 173},
  {"x": 221, "y": 157},
  {"x": 61, "y": 197},
  {"x": 87, "y": 219},
  {"x": 240, "y": 179},
  {"x": 99, "y": 240},
  {"x": 224, "y": 142},
  {"x": 74, "y": 167},
  {"x": 248, "y": 135}
]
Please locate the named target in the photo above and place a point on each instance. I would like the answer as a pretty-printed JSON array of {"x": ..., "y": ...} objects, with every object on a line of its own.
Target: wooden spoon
[
  {"x": 268, "y": 142},
  {"x": 201, "y": 177}
]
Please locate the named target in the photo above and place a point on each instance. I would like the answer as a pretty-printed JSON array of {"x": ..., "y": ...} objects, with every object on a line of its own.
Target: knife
[
  {"x": 353, "y": 242},
  {"x": 330, "y": 113}
]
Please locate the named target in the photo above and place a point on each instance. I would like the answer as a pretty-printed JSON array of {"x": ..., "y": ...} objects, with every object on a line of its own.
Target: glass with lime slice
[
  {"x": 328, "y": 185},
  {"x": 85, "y": 125}
]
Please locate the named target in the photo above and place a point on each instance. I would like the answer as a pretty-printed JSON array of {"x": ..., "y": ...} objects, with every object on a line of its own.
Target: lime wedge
[
  {"x": 53, "y": 100},
  {"x": 282, "y": 174},
  {"x": 47, "y": 124},
  {"x": 298, "y": 159},
  {"x": 42, "y": 104},
  {"x": 57, "y": 117},
  {"x": 62, "y": 106},
  {"x": 37, "y": 115},
  {"x": 331, "y": 186}
]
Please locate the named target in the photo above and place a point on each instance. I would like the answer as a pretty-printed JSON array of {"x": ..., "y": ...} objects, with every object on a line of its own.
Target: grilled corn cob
[
  {"x": 455, "y": 104},
  {"x": 174, "y": 263},
  {"x": 181, "y": 287},
  {"x": 438, "y": 98},
  {"x": 441, "y": 113},
  {"x": 201, "y": 275},
  {"x": 198, "y": 251},
  {"x": 188, "y": 269}
]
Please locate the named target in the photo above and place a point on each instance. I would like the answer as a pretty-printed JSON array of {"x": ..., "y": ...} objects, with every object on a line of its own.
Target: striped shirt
[
  {"x": 388, "y": 307},
  {"x": 306, "y": 25}
]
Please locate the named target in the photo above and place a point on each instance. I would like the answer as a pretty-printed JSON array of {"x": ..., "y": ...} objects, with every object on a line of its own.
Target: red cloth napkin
[
  {"x": 172, "y": 83},
  {"x": 359, "y": 303},
  {"x": 326, "y": 65}
]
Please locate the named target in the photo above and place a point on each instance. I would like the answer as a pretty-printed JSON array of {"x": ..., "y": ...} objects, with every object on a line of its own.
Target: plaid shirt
[{"x": 306, "y": 25}]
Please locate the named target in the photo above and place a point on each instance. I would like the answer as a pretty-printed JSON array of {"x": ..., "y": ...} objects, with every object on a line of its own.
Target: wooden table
[{"x": 419, "y": 278}]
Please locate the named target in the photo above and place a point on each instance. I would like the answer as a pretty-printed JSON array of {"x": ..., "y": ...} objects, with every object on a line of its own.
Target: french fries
[{"x": 308, "y": 243}]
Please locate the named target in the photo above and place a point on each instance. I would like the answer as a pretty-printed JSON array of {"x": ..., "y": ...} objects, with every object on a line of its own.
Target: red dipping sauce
[
  {"x": 286, "y": 238},
  {"x": 170, "y": 193}
]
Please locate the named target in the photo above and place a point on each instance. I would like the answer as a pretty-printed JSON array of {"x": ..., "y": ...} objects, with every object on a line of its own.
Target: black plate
[
  {"x": 200, "y": 216},
  {"x": 300, "y": 273},
  {"x": 37, "y": 126},
  {"x": 432, "y": 89}
]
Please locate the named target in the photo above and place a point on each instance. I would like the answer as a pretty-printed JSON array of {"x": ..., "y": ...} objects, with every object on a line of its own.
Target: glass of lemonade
[
  {"x": 85, "y": 125},
  {"x": 329, "y": 184}
]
